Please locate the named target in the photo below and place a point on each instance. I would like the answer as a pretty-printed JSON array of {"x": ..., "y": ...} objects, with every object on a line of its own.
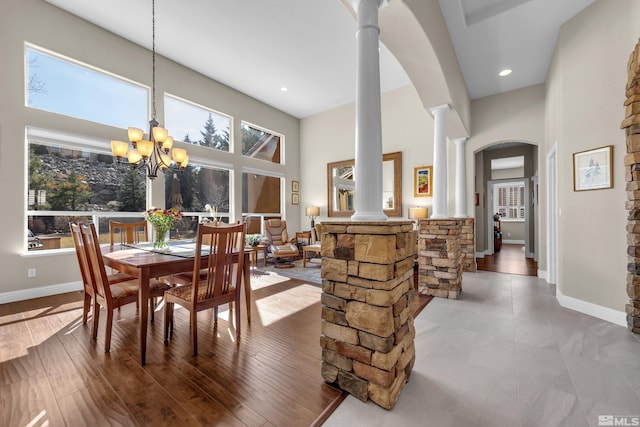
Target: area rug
[{"x": 310, "y": 274}]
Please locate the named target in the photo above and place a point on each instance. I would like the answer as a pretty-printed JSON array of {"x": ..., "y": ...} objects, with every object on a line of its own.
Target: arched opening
[{"x": 507, "y": 215}]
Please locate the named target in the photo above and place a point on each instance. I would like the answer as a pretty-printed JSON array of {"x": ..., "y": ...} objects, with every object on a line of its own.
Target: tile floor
[{"x": 507, "y": 354}]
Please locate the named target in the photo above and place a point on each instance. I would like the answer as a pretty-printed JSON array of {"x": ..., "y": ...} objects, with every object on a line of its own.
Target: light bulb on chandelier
[{"x": 152, "y": 153}]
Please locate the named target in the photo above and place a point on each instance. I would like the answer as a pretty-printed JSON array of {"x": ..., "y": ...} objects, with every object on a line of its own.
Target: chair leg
[
  {"x": 237, "y": 316},
  {"x": 86, "y": 307},
  {"x": 96, "y": 319},
  {"x": 215, "y": 314},
  {"x": 152, "y": 308},
  {"x": 194, "y": 331},
  {"x": 107, "y": 334},
  {"x": 168, "y": 320}
]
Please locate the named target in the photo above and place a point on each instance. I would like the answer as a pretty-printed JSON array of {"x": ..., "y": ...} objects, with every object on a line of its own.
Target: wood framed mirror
[{"x": 341, "y": 186}]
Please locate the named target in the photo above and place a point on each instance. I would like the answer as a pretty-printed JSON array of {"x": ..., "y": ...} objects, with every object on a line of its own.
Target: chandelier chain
[{"x": 153, "y": 59}]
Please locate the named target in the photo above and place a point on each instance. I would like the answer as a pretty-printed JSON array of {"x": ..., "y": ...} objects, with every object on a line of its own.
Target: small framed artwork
[
  {"x": 295, "y": 186},
  {"x": 593, "y": 169},
  {"x": 422, "y": 181},
  {"x": 295, "y": 199}
]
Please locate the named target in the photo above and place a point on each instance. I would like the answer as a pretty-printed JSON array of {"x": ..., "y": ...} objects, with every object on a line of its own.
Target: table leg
[{"x": 143, "y": 296}]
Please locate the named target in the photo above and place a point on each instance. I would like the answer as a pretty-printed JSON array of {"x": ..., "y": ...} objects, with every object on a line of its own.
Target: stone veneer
[
  {"x": 440, "y": 257},
  {"x": 631, "y": 124},
  {"x": 367, "y": 308},
  {"x": 468, "y": 244}
]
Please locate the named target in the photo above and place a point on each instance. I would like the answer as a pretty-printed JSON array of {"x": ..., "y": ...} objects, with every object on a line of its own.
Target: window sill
[{"x": 47, "y": 252}]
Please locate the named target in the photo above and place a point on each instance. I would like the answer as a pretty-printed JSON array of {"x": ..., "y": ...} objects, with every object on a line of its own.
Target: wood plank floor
[
  {"x": 52, "y": 373},
  {"x": 509, "y": 259}
]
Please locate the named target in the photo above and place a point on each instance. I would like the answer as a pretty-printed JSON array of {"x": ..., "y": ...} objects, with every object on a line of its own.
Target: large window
[
  {"x": 261, "y": 144},
  {"x": 509, "y": 200},
  {"x": 67, "y": 87},
  {"x": 191, "y": 190},
  {"x": 261, "y": 199},
  {"x": 197, "y": 125},
  {"x": 76, "y": 179}
]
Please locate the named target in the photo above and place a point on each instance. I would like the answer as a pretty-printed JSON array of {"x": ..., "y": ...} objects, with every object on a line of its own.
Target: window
[
  {"x": 509, "y": 200},
  {"x": 76, "y": 179},
  {"x": 261, "y": 197},
  {"x": 192, "y": 189},
  {"x": 67, "y": 87},
  {"x": 260, "y": 144},
  {"x": 196, "y": 124}
]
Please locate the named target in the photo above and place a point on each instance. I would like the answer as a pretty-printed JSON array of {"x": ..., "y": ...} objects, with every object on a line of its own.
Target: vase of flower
[
  {"x": 162, "y": 221},
  {"x": 160, "y": 240}
]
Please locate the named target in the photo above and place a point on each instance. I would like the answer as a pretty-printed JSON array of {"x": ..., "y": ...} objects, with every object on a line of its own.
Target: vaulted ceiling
[{"x": 308, "y": 46}]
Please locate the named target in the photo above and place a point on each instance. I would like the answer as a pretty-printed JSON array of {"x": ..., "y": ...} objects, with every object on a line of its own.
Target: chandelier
[{"x": 151, "y": 153}]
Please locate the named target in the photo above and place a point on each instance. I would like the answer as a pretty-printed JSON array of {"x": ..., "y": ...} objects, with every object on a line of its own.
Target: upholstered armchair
[{"x": 278, "y": 242}]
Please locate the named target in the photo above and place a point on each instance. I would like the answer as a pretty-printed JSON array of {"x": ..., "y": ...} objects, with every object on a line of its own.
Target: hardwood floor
[
  {"x": 509, "y": 259},
  {"x": 51, "y": 372}
]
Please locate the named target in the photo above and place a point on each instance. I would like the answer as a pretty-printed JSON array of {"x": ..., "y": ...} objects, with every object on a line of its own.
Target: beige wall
[
  {"x": 330, "y": 136},
  {"x": 585, "y": 95},
  {"x": 38, "y": 22}
]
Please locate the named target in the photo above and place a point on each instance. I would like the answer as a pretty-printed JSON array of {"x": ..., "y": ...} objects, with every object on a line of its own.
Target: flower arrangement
[
  {"x": 253, "y": 239},
  {"x": 214, "y": 214},
  {"x": 162, "y": 221}
]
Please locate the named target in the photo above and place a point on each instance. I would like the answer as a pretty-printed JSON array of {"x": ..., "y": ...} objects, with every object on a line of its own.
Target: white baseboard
[
  {"x": 542, "y": 274},
  {"x": 45, "y": 291},
  {"x": 530, "y": 255},
  {"x": 479, "y": 254},
  {"x": 595, "y": 310},
  {"x": 512, "y": 242}
]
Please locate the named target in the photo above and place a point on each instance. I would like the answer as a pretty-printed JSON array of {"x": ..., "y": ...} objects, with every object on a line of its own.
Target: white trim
[
  {"x": 246, "y": 169},
  {"x": 44, "y": 291},
  {"x": 591, "y": 309},
  {"x": 552, "y": 215},
  {"x": 512, "y": 242},
  {"x": 530, "y": 255},
  {"x": 542, "y": 274},
  {"x": 479, "y": 254}
]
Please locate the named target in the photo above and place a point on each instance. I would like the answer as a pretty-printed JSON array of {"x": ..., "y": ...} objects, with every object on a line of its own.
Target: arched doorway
[{"x": 507, "y": 209}]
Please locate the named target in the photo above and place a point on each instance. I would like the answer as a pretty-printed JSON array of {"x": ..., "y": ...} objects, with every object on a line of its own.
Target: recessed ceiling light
[
  {"x": 284, "y": 88},
  {"x": 505, "y": 72}
]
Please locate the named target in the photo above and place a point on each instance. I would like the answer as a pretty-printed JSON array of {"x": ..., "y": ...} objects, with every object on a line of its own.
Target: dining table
[{"x": 144, "y": 262}]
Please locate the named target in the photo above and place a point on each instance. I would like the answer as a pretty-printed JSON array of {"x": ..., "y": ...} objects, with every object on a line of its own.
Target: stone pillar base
[
  {"x": 367, "y": 308},
  {"x": 440, "y": 257}
]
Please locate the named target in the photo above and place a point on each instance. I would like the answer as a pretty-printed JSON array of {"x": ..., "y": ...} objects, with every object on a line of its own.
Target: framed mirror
[{"x": 341, "y": 186}]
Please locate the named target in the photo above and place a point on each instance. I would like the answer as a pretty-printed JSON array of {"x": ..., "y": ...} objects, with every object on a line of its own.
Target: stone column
[
  {"x": 367, "y": 308},
  {"x": 440, "y": 209},
  {"x": 440, "y": 257},
  {"x": 461, "y": 178},
  {"x": 631, "y": 125},
  {"x": 368, "y": 167}
]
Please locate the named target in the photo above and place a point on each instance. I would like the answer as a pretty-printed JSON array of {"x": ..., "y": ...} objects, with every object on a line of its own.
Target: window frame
[
  {"x": 263, "y": 129},
  {"x": 520, "y": 205},
  {"x": 35, "y": 135},
  {"x": 74, "y": 62}
]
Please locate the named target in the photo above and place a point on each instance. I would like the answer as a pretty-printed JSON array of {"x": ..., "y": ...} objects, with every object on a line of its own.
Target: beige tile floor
[{"x": 507, "y": 354}]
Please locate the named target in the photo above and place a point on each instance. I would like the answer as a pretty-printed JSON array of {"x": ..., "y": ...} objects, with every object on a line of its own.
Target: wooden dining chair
[
  {"x": 128, "y": 232},
  {"x": 111, "y": 295},
  {"x": 216, "y": 278},
  {"x": 84, "y": 271}
]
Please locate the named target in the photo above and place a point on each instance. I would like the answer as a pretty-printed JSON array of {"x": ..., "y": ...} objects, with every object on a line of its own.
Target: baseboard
[
  {"x": 530, "y": 255},
  {"x": 45, "y": 291},
  {"x": 512, "y": 242},
  {"x": 479, "y": 254},
  {"x": 542, "y": 274},
  {"x": 591, "y": 309}
]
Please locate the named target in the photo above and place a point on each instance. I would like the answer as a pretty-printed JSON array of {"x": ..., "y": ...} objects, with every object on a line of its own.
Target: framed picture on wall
[
  {"x": 295, "y": 186},
  {"x": 593, "y": 169},
  {"x": 422, "y": 181},
  {"x": 295, "y": 199}
]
